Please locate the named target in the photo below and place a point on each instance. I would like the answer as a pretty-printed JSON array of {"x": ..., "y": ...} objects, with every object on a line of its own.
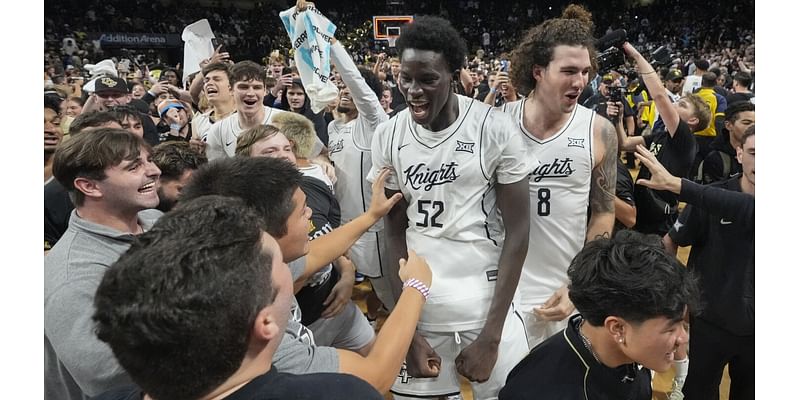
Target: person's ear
[
  {"x": 693, "y": 121},
  {"x": 616, "y": 328},
  {"x": 88, "y": 187},
  {"x": 537, "y": 72},
  {"x": 266, "y": 327},
  {"x": 739, "y": 153}
]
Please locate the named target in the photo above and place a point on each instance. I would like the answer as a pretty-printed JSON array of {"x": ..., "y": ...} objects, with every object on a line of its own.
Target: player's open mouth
[
  {"x": 250, "y": 102},
  {"x": 210, "y": 90},
  {"x": 419, "y": 109}
]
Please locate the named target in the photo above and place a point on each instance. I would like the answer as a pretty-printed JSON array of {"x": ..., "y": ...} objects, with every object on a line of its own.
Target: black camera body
[
  {"x": 609, "y": 59},
  {"x": 610, "y": 55},
  {"x": 617, "y": 93}
]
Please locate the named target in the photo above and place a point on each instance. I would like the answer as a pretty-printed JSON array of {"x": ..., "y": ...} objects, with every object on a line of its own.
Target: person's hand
[
  {"x": 282, "y": 82},
  {"x": 327, "y": 168},
  {"x": 660, "y": 178},
  {"x": 342, "y": 291},
  {"x": 500, "y": 79},
  {"x": 476, "y": 361},
  {"x": 158, "y": 88},
  {"x": 380, "y": 205},
  {"x": 613, "y": 110},
  {"x": 173, "y": 117},
  {"x": 415, "y": 267},
  {"x": 197, "y": 144},
  {"x": 557, "y": 307},
  {"x": 632, "y": 53},
  {"x": 421, "y": 360},
  {"x": 217, "y": 56}
]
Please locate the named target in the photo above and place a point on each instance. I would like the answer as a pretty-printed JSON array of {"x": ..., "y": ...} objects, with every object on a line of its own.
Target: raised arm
[
  {"x": 327, "y": 248},
  {"x": 725, "y": 203},
  {"x": 367, "y": 102},
  {"x": 380, "y": 367},
  {"x": 657, "y": 90}
]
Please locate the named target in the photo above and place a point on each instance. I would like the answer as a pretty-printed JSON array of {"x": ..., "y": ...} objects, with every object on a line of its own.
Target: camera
[
  {"x": 609, "y": 59},
  {"x": 610, "y": 56},
  {"x": 617, "y": 93}
]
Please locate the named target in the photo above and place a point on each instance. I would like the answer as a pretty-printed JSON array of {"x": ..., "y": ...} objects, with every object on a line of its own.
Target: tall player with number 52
[{"x": 458, "y": 163}]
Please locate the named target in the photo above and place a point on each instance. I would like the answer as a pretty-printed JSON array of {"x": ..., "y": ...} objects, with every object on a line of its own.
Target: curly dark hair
[
  {"x": 174, "y": 157},
  {"x": 436, "y": 34},
  {"x": 573, "y": 28}
]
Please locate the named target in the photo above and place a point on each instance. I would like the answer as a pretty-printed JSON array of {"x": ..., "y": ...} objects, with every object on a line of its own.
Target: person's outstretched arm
[{"x": 380, "y": 367}]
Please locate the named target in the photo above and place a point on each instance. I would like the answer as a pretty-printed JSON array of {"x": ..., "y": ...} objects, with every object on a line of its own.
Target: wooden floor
[{"x": 661, "y": 383}]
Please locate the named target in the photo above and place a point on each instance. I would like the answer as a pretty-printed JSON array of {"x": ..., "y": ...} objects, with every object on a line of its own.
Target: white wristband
[{"x": 417, "y": 284}]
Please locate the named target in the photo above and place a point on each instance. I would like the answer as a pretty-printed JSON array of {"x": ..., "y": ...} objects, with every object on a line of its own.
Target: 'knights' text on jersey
[{"x": 449, "y": 179}]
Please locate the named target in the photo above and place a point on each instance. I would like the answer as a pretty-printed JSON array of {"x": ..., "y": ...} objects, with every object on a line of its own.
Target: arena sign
[{"x": 127, "y": 39}]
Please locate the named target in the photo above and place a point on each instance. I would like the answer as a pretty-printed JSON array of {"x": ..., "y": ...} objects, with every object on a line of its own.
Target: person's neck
[
  {"x": 739, "y": 89},
  {"x": 541, "y": 119},
  {"x": 222, "y": 109},
  {"x": 303, "y": 163},
  {"x": 252, "y": 367},
  {"x": 605, "y": 349},
  {"x": 120, "y": 220},
  {"x": 447, "y": 115},
  {"x": 746, "y": 186},
  {"x": 249, "y": 121},
  {"x": 350, "y": 115}
]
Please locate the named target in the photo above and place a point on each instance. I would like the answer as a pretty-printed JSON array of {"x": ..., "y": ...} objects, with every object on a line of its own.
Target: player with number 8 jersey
[{"x": 559, "y": 193}]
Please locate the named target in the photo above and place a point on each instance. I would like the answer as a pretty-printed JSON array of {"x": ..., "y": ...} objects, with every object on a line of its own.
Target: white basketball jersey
[
  {"x": 559, "y": 193},
  {"x": 223, "y": 134},
  {"x": 448, "y": 178},
  {"x": 349, "y": 150}
]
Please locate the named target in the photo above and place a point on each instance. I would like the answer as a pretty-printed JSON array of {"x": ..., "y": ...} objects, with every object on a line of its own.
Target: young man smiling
[
  {"x": 249, "y": 90},
  {"x": 112, "y": 181},
  {"x": 632, "y": 297},
  {"x": 578, "y": 151},
  {"x": 458, "y": 163}
]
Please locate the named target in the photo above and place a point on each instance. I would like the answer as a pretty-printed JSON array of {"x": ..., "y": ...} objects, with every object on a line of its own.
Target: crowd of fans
[
  {"x": 249, "y": 101},
  {"x": 716, "y": 31}
]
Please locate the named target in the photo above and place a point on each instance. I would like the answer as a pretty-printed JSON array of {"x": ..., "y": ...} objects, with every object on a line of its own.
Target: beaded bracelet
[{"x": 417, "y": 284}]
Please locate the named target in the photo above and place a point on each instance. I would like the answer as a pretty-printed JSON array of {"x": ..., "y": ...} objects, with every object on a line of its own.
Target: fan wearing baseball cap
[{"x": 176, "y": 115}]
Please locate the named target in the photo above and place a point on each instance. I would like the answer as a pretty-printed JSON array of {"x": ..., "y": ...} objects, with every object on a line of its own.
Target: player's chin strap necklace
[{"x": 630, "y": 371}]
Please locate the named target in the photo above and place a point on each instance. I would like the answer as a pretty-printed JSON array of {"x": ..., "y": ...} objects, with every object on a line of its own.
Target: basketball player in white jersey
[
  {"x": 248, "y": 93},
  {"x": 349, "y": 142},
  {"x": 458, "y": 163},
  {"x": 578, "y": 153}
]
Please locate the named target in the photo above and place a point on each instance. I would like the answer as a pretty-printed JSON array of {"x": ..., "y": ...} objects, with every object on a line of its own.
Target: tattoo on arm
[{"x": 604, "y": 176}]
